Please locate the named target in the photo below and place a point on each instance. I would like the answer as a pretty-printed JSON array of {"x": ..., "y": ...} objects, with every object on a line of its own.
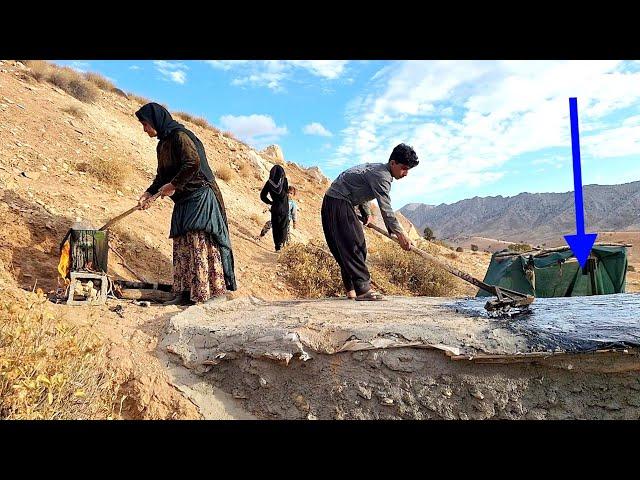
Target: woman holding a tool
[{"x": 202, "y": 255}]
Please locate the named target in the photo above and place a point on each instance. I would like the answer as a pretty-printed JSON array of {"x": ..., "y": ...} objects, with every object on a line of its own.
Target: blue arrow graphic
[{"x": 580, "y": 243}]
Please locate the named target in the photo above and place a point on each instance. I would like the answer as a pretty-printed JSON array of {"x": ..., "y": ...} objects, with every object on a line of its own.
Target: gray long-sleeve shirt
[{"x": 361, "y": 184}]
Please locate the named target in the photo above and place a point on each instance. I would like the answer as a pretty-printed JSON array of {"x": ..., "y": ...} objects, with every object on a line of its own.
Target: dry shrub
[
  {"x": 50, "y": 369},
  {"x": 397, "y": 271},
  {"x": 224, "y": 173},
  {"x": 311, "y": 270},
  {"x": 75, "y": 111},
  {"x": 39, "y": 69},
  {"x": 256, "y": 219},
  {"x": 65, "y": 78},
  {"x": 201, "y": 122},
  {"x": 74, "y": 84},
  {"x": 427, "y": 246},
  {"x": 138, "y": 98},
  {"x": 631, "y": 268},
  {"x": 99, "y": 81},
  {"x": 245, "y": 169},
  {"x": 520, "y": 247},
  {"x": 230, "y": 135},
  {"x": 459, "y": 249},
  {"x": 107, "y": 170},
  {"x": 444, "y": 244},
  {"x": 184, "y": 116}
]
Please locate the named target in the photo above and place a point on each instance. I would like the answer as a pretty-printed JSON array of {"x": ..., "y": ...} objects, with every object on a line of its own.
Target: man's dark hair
[{"x": 404, "y": 154}]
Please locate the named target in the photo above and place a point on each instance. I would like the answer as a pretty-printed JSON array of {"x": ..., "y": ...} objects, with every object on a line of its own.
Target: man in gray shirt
[{"x": 353, "y": 188}]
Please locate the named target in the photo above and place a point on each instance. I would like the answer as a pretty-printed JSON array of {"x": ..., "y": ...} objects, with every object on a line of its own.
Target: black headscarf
[
  {"x": 164, "y": 124},
  {"x": 159, "y": 118},
  {"x": 277, "y": 181}
]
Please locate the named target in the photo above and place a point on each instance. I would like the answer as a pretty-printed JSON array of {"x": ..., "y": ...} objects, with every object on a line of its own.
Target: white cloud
[
  {"x": 316, "y": 128},
  {"x": 134, "y": 67},
  {"x": 225, "y": 64},
  {"x": 615, "y": 142},
  {"x": 330, "y": 69},
  {"x": 259, "y": 130},
  {"x": 270, "y": 74},
  {"x": 172, "y": 71},
  {"x": 553, "y": 161},
  {"x": 273, "y": 73},
  {"x": 466, "y": 119},
  {"x": 178, "y": 76}
]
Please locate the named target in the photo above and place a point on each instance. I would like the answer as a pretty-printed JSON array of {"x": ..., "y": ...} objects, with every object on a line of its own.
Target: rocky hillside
[{"x": 62, "y": 160}]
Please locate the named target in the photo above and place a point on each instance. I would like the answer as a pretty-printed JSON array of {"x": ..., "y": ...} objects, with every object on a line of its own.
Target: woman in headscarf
[
  {"x": 277, "y": 187},
  {"x": 202, "y": 256}
]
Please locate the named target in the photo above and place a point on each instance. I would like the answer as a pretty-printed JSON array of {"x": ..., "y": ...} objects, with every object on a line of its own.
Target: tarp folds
[{"x": 558, "y": 274}]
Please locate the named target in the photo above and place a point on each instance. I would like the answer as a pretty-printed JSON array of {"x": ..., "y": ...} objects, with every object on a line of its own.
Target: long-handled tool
[
  {"x": 507, "y": 299},
  {"x": 128, "y": 212}
]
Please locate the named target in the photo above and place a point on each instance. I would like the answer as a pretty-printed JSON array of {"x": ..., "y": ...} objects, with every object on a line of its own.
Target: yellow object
[{"x": 63, "y": 265}]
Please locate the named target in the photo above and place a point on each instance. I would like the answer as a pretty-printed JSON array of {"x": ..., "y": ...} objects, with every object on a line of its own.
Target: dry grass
[
  {"x": 75, "y": 111},
  {"x": 50, "y": 369},
  {"x": 84, "y": 87},
  {"x": 520, "y": 247},
  {"x": 311, "y": 270},
  {"x": 202, "y": 122},
  {"x": 396, "y": 271},
  {"x": 444, "y": 244},
  {"x": 110, "y": 171},
  {"x": 245, "y": 169},
  {"x": 256, "y": 219},
  {"x": 187, "y": 117},
  {"x": 230, "y": 135},
  {"x": 74, "y": 84},
  {"x": 138, "y": 98},
  {"x": 100, "y": 81},
  {"x": 224, "y": 173},
  {"x": 40, "y": 70}
]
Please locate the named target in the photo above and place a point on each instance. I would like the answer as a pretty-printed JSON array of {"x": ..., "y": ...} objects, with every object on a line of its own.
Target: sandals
[{"x": 370, "y": 296}]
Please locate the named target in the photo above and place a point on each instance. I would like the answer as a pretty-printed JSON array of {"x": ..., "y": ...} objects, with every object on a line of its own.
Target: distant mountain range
[{"x": 531, "y": 217}]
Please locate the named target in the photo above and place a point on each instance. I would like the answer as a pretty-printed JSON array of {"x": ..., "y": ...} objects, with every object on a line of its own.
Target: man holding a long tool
[{"x": 343, "y": 231}]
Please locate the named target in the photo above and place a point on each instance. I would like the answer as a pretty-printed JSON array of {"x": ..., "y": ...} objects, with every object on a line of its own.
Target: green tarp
[{"x": 558, "y": 274}]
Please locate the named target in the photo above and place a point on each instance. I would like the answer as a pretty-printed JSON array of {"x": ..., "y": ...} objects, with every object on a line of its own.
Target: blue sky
[{"x": 480, "y": 128}]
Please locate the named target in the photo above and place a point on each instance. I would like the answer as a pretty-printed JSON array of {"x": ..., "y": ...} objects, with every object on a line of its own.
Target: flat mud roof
[
  {"x": 297, "y": 328},
  {"x": 415, "y": 358}
]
